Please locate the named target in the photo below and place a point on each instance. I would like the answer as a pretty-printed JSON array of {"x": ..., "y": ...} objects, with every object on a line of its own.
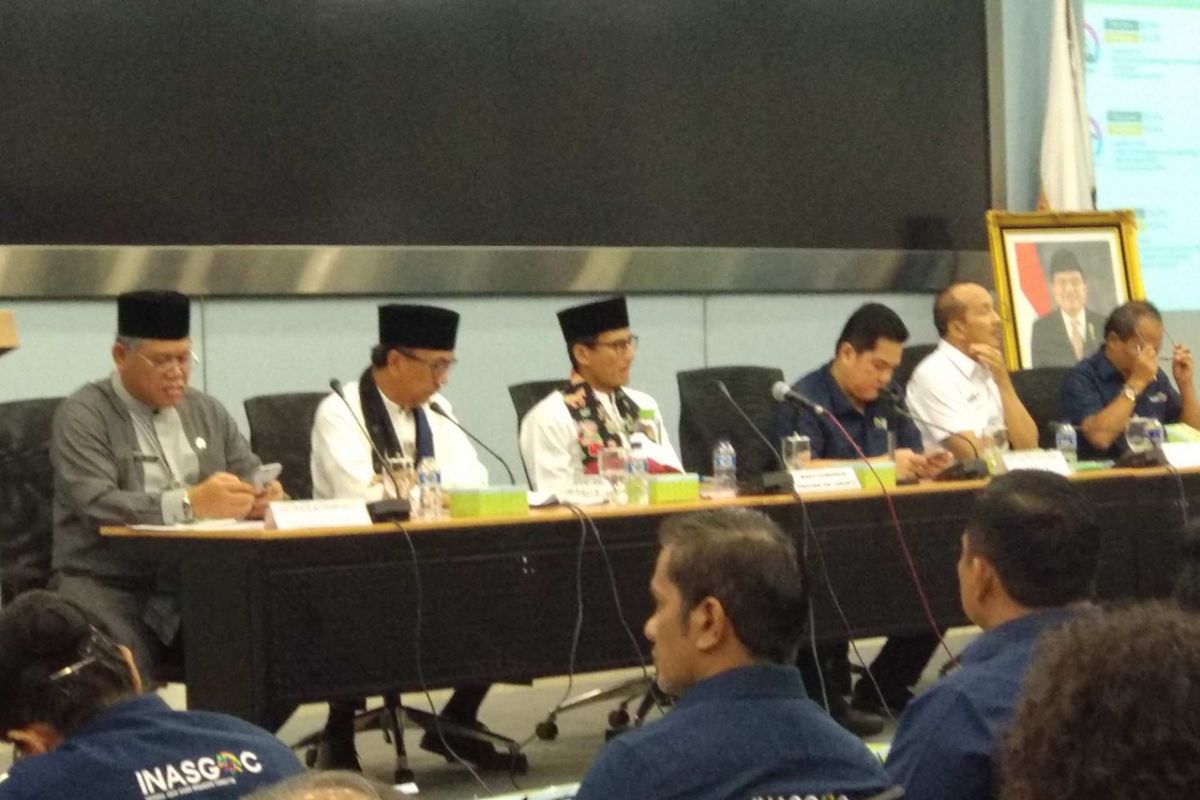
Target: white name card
[
  {"x": 825, "y": 479},
  {"x": 1182, "y": 455},
  {"x": 290, "y": 515},
  {"x": 1044, "y": 460}
]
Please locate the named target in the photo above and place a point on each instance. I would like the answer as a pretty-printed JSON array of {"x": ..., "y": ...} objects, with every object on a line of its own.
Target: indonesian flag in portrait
[
  {"x": 1033, "y": 298},
  {"x": 1068, "y": 177}
]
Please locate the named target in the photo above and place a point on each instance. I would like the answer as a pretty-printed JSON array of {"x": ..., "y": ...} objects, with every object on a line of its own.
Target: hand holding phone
[{"x": 266, "y": 474}]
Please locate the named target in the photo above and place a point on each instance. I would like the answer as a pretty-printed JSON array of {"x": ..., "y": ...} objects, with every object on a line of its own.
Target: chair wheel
[
  {"x": 547, "y": 731},
  {"x": 310, "y": 756},
  {"x": 618, "y": 718}
]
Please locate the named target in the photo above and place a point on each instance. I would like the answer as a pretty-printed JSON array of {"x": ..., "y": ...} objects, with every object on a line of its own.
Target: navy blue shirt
[
  {"x": 1095, "y": 382},
  {"x": 140, "y": 749},
  {"x": 868, "y": 427},
  {"x": 746, "y": 733},
  {"x": 944, "y": 745}
]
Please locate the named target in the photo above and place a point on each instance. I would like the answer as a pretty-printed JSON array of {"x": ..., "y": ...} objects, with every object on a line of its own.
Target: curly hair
[{"x": 1110, "y": 709}]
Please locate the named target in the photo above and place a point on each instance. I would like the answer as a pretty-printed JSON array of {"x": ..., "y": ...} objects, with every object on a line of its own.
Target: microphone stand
[
  {"x": 380, "y": 510},
  {"x": 772, "y": 482}
]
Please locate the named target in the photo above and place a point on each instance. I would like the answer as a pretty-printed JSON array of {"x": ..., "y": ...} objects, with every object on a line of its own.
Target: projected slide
[{"x": 1142, "y": 63}]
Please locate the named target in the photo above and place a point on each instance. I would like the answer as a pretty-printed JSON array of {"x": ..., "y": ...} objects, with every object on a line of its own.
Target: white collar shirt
[{"x": 950, "y": 392}]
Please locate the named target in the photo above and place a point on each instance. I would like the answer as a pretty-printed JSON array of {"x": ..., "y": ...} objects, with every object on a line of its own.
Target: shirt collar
[
  {"x": 968, "y": 366},
  {"x": 1081, "y": 318},
  {"x": 746, "y": 683},
  {"x": 140, "y": 706},
  {"x": 1021, "y": 629},
  {"x": 132, "y": 403},
  {"x": 839, "y": 402}
]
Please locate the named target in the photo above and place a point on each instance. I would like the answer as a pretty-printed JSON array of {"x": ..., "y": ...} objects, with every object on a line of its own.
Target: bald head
[
  {"x": 327, "y": 785},
  {"x": 964, "y": 314}
]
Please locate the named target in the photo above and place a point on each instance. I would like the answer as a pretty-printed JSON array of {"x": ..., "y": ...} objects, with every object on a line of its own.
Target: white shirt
[
  {"x": 341, "y": 453},
  {"x": 950, "y": 392},
  {"x": 550, "y": 440}
]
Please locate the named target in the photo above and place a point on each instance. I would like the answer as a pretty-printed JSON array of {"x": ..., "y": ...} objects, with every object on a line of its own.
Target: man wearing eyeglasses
[
  {"x": 141, "y": 447},
  {"x": 562, "y": 436},
  {"x": 393, "y": 401}
]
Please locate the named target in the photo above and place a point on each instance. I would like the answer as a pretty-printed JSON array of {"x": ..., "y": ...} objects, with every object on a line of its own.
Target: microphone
[
  {"x": 963, "y": 470},
  {"x": 380, "y": 510},
  {"x": 780, "y": 481},
  {"x": 784, "y": 393},
  {"x": 437, "y": 409}
]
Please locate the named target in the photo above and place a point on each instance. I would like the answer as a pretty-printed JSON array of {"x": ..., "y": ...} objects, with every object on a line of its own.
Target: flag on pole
[{"x": 1068, "y": 177}]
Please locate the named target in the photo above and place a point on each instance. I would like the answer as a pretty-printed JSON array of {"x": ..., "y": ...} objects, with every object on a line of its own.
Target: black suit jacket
[{"x": 1052, "y": 348}]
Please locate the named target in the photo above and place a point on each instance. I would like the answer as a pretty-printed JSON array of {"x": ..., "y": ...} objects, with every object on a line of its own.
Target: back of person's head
[
  {"x": 743, "y": 560},
  {"x": 1039, "y": 535},
  {"x": 1110, "y": 709},
  {"x": 1124, "y": 318},
  {"x": 327, "y": 785},
  {"x": 58, "y": 665},
  {"x": 1187, "y": 581},
  {"x": 870, "y": 323}
]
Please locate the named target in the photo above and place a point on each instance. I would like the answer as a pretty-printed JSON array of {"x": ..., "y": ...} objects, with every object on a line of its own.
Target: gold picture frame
[{"x": 1085, "y": 260}]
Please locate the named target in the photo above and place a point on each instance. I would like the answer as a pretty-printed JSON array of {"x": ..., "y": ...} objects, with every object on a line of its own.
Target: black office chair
[
  {"x": 913, "y": 355},
  {"x": 26, "y": 494},
  {"x": 706, "y": 416},
  {"x": 1040, "y": 390},
  {"x": 524, "y": 397},
  {"x": 281, "y": 430}
]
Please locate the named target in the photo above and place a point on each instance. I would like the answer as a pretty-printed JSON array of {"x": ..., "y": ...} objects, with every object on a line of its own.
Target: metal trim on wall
[{"x": 83, "y": 272}]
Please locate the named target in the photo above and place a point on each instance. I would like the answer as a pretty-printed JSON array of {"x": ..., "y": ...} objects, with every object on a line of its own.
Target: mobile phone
[{"x": 265, "y": 474}]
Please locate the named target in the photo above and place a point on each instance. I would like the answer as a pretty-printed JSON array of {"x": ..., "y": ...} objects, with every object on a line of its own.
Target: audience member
[{"x": 329, "y": 785}]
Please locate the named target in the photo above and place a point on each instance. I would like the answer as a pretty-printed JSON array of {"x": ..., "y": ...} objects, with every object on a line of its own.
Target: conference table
[{"x": 274, "y": 619}]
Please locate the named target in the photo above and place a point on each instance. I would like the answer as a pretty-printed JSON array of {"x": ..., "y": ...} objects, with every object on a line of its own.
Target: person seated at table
[
  {"x": 729, "y": 611},
  {"x": 1110, "y": 709},
  {"x": 963, "y": 390},
  {"x": 71, "y": 704},
  {"x": 1122, "y": 379},
  {"x": 561, "y": 437},
  {"x": 394, "y": 401},
  {"x": 141, "y": 447},
  {"x": 1030, "y": 551},
  {"x": 867, "y": 353}
]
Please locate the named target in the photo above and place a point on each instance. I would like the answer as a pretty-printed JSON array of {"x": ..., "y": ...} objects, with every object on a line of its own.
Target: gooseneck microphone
[
  {"x": 780, "y": 481},
  {"x": 441, "y": 412},
  {"x": 380, "y": 509},
  {"x": 964, "y": 470},
  {"x": 786, "y": 394}
]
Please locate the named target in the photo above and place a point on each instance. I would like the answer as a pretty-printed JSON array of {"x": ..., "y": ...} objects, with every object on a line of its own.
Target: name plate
[
  {"x": 1044, "y": 460},
  {"x": 1182, "y": 455},
  {"x": 825, "y": 479},
  {"x": 290, "y": 515}
]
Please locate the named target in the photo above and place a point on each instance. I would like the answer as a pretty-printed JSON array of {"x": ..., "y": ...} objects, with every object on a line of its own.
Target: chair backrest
[
  {"x": 1040, "y": 390},
  {"x": 524, "y": 397},
  {"x": 26, "y": 494},
  {"x": 281, "y": 430},
  {"x": 913, "y": 355},
  {"x": 705, "y": 417}
]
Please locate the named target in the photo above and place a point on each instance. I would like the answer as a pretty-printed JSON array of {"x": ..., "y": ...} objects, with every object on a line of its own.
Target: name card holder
[
  {"x": 1044, "y": 460},
  {"x": 1182, "y": 455},
  {"x": 825, "y": 479},
  {"x": 290, "y": 515}
]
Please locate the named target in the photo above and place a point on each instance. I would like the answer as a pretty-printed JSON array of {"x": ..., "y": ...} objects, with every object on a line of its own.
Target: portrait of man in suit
[{"x": 1071, "y": 330}]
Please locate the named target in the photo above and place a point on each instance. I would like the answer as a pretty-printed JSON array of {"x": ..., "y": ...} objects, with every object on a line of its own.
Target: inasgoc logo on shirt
[{"x": 195, "y": 776}]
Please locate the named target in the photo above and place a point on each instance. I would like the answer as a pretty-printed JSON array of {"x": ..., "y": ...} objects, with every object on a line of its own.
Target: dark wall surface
[{"x": 782, "y": 123}]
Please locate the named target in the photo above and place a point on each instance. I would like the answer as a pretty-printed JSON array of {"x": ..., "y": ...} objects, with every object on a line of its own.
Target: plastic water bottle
[
  {"x": 1156, "y": 433},
  {"x": 1066, "y": 442},
  {"x": 725, "y": 466},
  {"x": 637, "y": 481},
  {"x": 429, "y": 481}
]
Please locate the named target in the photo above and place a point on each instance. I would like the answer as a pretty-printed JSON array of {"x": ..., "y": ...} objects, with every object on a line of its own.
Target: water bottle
[
  {"x": 1156, "y": 433},
  {"x": 1066, "y": 443},
  {"x": 637, "y": 481},
  {"x": 429, "y": 480},
  {"x": 725, "y": 466}
]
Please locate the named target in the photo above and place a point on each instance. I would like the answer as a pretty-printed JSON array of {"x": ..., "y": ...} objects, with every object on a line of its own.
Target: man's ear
[
  {"x": 127, "y": 654},
  {"x": 35, "y": 739},
  {"x": 709, "y": 624},
  {"x": 845, "y": 352},
  {"x": 984, "y": 580},
  {"x": 582, "y": 353}
]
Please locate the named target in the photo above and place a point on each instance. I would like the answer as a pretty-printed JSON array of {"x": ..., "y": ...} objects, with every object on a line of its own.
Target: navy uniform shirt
[
  {"x": 140, "y": 749},
  {"x": 944, "y": 745},
  {"x": 868, "y": 427},
  {"x": 746, "y": 733},
  {"x": 1095, "y": 382}
]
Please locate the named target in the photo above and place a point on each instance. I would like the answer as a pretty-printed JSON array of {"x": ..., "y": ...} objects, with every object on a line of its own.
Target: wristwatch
[
  {"x": 189, "y": 515},
  {"x": 1129, "y": 393}
]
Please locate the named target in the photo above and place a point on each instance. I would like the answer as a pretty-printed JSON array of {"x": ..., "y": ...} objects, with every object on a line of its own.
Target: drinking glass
[
  {"x": 1137, "y": 435},
  {"x": 613, "y": 463},
  {"x": 797, "y": 451}
]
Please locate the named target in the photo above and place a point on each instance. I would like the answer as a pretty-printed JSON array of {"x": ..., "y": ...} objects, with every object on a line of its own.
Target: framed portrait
[{"x": 1058, "y": 276}]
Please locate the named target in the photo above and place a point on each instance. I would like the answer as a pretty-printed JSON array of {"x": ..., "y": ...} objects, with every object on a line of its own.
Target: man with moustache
[
  {"x": 1071, "y": 331},
  {"x": 141, "y": 447}
]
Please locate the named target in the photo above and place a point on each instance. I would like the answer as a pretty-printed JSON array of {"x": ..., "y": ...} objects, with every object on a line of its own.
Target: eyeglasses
[
  {"x": 1142, "y": 344},
  {"x": 620, "y": 346},
  {"x": 438, "y": 368},
  {"x": 163, "y": 363}
]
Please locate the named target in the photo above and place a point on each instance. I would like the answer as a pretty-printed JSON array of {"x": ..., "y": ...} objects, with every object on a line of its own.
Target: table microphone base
[{"x": 389, "y": 510}]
